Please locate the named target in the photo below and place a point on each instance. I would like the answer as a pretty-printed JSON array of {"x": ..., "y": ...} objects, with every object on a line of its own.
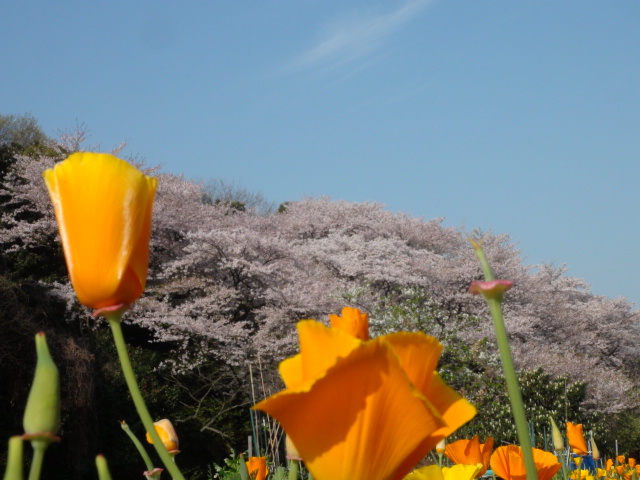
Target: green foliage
[
  {"x": 229, "y": 470},
  {"x": 474, "y": 370},
  {"x": 543, "y": 396},
  {"x": 21, "y": 130}
]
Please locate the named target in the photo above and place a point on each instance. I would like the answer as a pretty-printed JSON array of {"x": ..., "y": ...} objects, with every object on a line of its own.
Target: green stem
[
  {"x": 116, "y": 328},
  {"x": 486, "y": 268},
  {"x": 136, "y": 442},
  {"x": 293, "y": 469},
  {"x": 565, "y": 474},
  {"x": 513, "y": 387},
  {"x": 102, "y": 467},
  {"x": 39, "y": 447},
  {"x": 14, "y": 470},
  {"x": 242, "y": 469}
]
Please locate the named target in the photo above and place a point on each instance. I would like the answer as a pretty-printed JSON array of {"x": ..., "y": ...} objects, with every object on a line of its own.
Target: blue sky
[{"x": 520, "y": 117}]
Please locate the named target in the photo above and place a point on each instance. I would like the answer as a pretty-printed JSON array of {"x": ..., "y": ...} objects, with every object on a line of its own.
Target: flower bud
[
  {"x": 292, "y": 451},
  {"x": 42, "y": 414},
  {"x": 595, "y": 453},
  {"x": 558, "y": 441},
  {"x": 167, "y": 434}
]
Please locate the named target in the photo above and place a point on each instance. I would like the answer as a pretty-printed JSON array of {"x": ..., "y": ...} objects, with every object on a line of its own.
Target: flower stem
[
  {"x": 513, "y": 386},
  {"x": 39, "y": 447},
  {"x": 293, "y": 469},
  {"x": 114, "y": 319},
  {"x": 103, "y": 469},
  {"x": 14, "y": 470},
  {"x": 138, "y": 445}
]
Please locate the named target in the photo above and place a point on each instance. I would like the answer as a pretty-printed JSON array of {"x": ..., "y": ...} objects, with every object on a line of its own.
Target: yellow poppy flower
[
  {"x": 457, "y": 472},
  {"x": 257, "y": 467},
  {"x": 470, "y": 452},
  {"x": 580, "y": 474},
  {"x": 103, "y": 208},
  {"x": 353, "y": 321},
  {"x": 364, "y": 410},
  {"x": 167, "y": 434},
  {"x": 508, "y": 463},
  {"x": 430, "y": 472},
  {"x": 576, "y": 439}
]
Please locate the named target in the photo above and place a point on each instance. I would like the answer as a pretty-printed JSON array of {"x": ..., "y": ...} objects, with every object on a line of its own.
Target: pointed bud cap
[
  {"x": 493, "y": 289},
  {"x": 595, "y": 453},
  {"x": 558, "y": 440}
]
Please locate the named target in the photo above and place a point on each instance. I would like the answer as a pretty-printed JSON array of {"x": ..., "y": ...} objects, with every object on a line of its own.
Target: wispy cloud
[{"x": 349, "y": 39}]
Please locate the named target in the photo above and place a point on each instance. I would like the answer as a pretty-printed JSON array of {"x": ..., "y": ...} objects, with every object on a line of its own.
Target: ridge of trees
[{"x": 230, "y": 275}]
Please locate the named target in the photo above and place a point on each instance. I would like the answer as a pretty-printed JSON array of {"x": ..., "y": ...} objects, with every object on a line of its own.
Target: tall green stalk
[
  {"x": 14, "y": 470},
  {"x": 114, "y": 319},
  {"x": 494, "y": 301},
  {"x": 39, "y": 447}
]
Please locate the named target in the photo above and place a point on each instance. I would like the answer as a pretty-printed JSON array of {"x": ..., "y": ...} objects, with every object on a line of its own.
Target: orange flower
[
  {"x": 620, "y": 459},
  {"x": 364, "y": 409},
  {"x": 257, "y": 467},
  {"x": 508, "y": 463},
  {"x": 353, "y": 321},
  {"x": 631, "y": 462},
  {"x": 609, "y": 463},
  {"x": 103, "y": 207},
  {"x": 470, "y": 452},
  {"x": 576, "y": 439},
  {"x": 167, "y": 434}
]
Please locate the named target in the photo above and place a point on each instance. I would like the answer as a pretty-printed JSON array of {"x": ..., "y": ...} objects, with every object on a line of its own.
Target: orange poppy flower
[
  {"x": 257, "y": 467},
  {"x": 103, "y": 208},
  {"x": 631, "y": 462},
  {"x": 609, "y": 463},
  {"x": 167, "y": 434},
  {"x": 508, "y": 463},
  {"x": 620, "y": 459},
  {"x": 364, "y": 409},
  {"x": 353, "y": 321},
  {"x": 576, "y": 439},
  {"x": 470, "y": 452}
]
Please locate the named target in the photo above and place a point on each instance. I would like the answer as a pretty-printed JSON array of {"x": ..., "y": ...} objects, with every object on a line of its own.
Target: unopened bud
[
  {"x": 292, "y": 451},
  {"x": 42, "y": 413},
  {"x": 595, "y": 453},
  {"x": 558, "y": 441},
  {"x": 167, "y": 434}
]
